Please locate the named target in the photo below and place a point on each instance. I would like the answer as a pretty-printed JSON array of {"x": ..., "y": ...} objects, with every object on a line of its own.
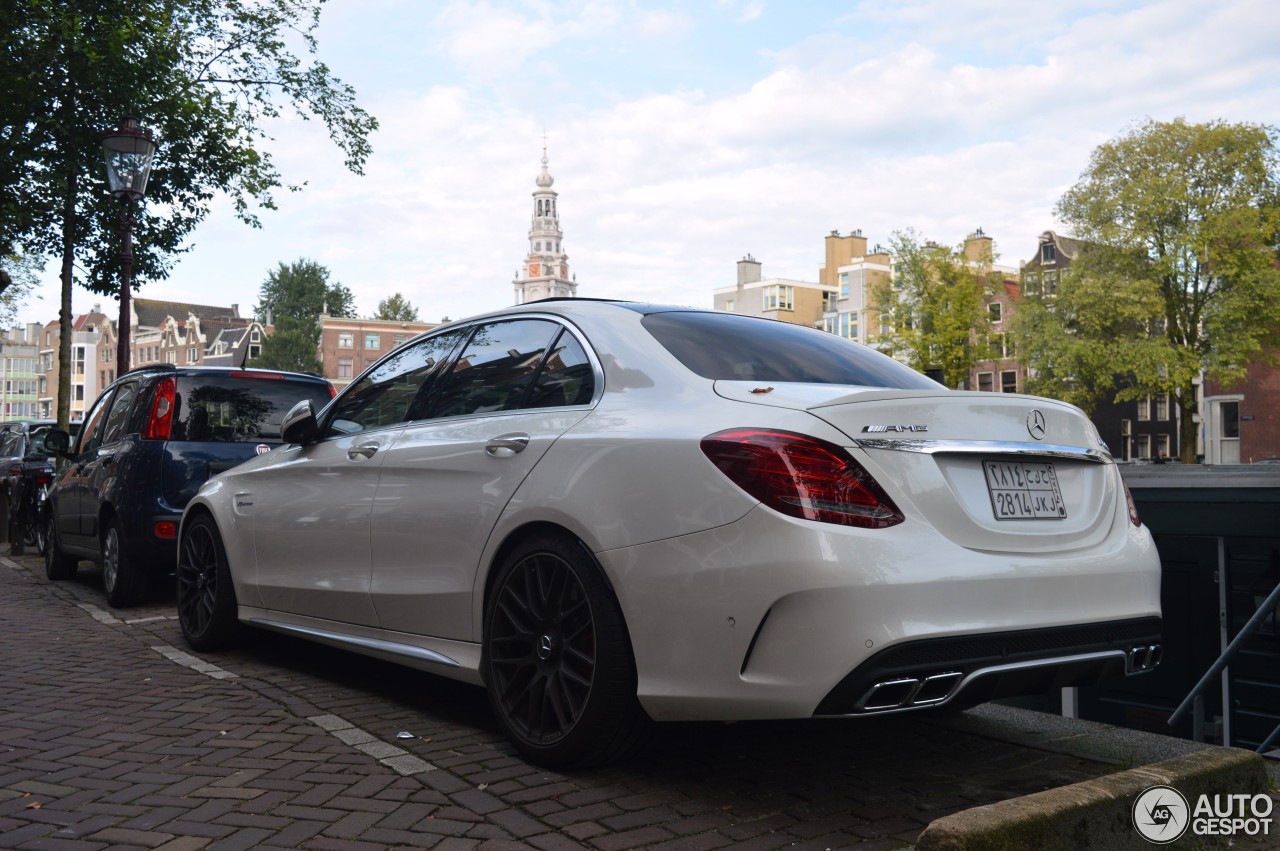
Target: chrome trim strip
[
  {"x": 988, "y": 447},
  {"x": 392, "y": 647}
]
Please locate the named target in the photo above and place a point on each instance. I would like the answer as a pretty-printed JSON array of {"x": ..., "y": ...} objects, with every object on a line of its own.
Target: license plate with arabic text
[{"x": 1024, "y": 490}]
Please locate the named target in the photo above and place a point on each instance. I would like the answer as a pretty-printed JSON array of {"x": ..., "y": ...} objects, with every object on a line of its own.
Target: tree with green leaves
[
  {"x": 17, "y": 280},
  {"x": 1177, "y": 274},
  {"x": 208, "y": 76},
  {"x": 291, "y": 299},
  {"x": 396, "y": 308},
  {"x": 934, "y": 310}
]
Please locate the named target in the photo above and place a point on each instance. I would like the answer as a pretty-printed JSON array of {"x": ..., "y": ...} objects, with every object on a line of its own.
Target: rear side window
[
  {"x": 235, "y": 408},
  {"x": 726, "y": 347}
]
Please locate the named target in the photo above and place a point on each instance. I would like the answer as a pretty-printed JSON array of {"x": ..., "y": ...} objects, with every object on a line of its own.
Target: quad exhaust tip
[
  {"x": 1142, "y": 658},
  {"x": 904, "y": 692}
]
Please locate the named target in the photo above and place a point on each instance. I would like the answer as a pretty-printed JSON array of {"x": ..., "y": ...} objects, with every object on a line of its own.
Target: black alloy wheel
[
  {"x": 206, "y": 596},
  {"x": 558, "y": 660}
]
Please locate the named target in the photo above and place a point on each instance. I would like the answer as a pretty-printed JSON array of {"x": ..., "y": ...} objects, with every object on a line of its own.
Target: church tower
[{"x": 545, "y": 273}]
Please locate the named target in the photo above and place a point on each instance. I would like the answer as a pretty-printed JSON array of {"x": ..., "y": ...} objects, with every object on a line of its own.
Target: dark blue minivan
[{"x": 153, "y": 437}]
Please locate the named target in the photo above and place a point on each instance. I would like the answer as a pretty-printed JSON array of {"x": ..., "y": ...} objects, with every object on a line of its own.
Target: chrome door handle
[
  {"x": 362, "y": 452},
  {"x": 506, "y": 445}
]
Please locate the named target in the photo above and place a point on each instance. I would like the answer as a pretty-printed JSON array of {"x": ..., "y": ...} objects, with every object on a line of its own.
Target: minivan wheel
[
  {"x": 557, "y": 659},
  {"x": 57, "y": 564},
  {"x": 206, "y": 597},
  {"x": 123, "y": 580}
]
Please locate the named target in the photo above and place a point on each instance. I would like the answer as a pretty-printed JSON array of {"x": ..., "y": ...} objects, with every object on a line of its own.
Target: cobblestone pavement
[{"x": 113, "y": 735}]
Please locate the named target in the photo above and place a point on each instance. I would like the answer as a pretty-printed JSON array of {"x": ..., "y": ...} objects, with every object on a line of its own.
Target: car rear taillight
[
  {"x": 166, "y": 529},
  {"x": 15, "y": 470},
  {"x": 160, "y": 423},
  {"x": 1133, "y": 508},
  {"x": 801, "y": 476},
  {"x": 42, "y": 479}
]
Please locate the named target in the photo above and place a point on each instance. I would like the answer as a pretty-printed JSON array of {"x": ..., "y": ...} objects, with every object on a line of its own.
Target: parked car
[
  {"x": 18, "y": 439},
  {"x": 149, "y": 441},
  {"x": 609, "y": 512}
]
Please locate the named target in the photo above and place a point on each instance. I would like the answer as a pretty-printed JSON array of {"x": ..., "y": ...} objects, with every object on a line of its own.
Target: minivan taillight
[
  {"x": 160, "y": 423},
  {"x": 801, "y": 476}
]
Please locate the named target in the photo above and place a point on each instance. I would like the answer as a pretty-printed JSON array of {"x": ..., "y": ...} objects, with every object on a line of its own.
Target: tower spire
[{"x": 545, "y": 272}]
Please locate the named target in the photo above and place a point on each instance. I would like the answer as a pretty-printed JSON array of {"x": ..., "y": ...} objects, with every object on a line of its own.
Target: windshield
[
  {"x": 239, "y": 407},
  {"x": 728, "y": 347}
]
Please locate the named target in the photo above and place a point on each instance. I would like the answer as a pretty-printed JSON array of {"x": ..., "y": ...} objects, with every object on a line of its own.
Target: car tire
[
  {"x": 557, "y": 658},
  {"x": 122, "y": 578},
  {"x": 206, "y": 596},
  {"x": 57, "y": 564}
]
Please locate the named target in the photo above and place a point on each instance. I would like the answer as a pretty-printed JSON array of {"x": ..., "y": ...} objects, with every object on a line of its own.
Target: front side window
[
  {"x": 495, "y": 370},
  {"x": 90, "y": 435},
  {"x": 383, "y": 395}
]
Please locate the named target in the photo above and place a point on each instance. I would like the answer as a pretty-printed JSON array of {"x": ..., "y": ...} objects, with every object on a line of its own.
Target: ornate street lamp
[{"x": 128, "y": 151}]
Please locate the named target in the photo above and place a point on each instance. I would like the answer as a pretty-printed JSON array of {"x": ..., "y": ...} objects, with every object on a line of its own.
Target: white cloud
[{"x": 938, "y": 116}]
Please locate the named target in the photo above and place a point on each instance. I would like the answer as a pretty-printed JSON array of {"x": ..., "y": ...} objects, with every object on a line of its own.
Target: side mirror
[
  {"x": 57, "y": 441},
  {"x": 299, "y": 425}
]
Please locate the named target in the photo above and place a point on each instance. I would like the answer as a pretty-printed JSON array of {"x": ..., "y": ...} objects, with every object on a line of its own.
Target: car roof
[{"x": 172, "y": 369}]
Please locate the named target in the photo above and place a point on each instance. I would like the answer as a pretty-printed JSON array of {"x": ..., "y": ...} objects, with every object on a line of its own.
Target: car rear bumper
[{"x": 772, "y": 617}]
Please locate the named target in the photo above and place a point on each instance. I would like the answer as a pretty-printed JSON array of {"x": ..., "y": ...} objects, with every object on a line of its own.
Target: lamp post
[{"x": 128, "y": 150}]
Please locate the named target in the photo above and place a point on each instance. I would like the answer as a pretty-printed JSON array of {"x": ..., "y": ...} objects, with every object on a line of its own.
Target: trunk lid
[{"x": 1000, "y": 472}]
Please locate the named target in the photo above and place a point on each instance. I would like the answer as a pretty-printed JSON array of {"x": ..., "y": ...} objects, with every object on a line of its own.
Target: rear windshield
[
  {"x": 237, "y": 408},
  {"x": 726, "y": 347}
]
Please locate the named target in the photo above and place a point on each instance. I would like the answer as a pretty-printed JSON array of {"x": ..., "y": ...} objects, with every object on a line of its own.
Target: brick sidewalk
[{"x": 112, "y": 735}]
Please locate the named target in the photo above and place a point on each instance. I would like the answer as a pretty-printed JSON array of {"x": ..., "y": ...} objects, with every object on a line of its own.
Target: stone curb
[{"x": 1094, "y": 814}]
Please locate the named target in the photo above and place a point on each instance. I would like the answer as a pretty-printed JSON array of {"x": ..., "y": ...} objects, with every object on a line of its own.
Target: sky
[{"x": 685, "y": 135}]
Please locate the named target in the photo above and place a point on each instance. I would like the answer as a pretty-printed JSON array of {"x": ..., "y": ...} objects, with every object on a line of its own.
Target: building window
[
  {"x": 193, "y": 355},
  {"x": 779, "y": 297},
  {"x": 1048, "y": 254},
  {"x": 255, "y": 336},
  {"x": 1126, "y": 428},
  {"x": 986, "y": 382},
  {"x": 254, "y": 351},
  {"x": 346, "y": 340},
  {"x": 1162, "y": 407},
  {"x": 728, "y": 305},
  {"x": 844, "y": 285},
  {"x": 1031, "y": 283},
  {"x": 1162, "y": 445},
  {"x": 999, "y": 345},
  {"x": 1051, "y": 283},
  {"x": 344, "y": 367},
  {"x": 993, "y": 312},
  {"x": 1144, "y": 409},
  {"x": 1144, "y": 447},
  {"x": 1009, "y": 381},
  {"x": 848, "y": 326},
  {"x": 372, "y": 341}
]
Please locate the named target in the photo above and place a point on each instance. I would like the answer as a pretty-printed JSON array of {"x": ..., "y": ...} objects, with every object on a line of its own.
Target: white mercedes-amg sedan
[{"x": 607, "y": 513}]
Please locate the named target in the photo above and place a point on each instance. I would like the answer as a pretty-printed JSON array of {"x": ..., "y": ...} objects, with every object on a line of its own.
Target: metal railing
[{"x": 1196, "y": 696}]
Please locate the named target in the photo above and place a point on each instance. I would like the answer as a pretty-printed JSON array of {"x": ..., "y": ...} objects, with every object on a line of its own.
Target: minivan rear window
[
  {"x": 727, "y": 347},
  {"x": 231, "y": 408}
]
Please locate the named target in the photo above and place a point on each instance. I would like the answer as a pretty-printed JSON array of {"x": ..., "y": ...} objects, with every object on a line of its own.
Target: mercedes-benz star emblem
[
  {"x": 1035, "y": 424},
  {"x": 544, "y": 647}
]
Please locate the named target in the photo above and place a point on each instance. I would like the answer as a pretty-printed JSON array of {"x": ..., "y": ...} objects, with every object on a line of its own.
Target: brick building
[{"x": 348, "y": 345}]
